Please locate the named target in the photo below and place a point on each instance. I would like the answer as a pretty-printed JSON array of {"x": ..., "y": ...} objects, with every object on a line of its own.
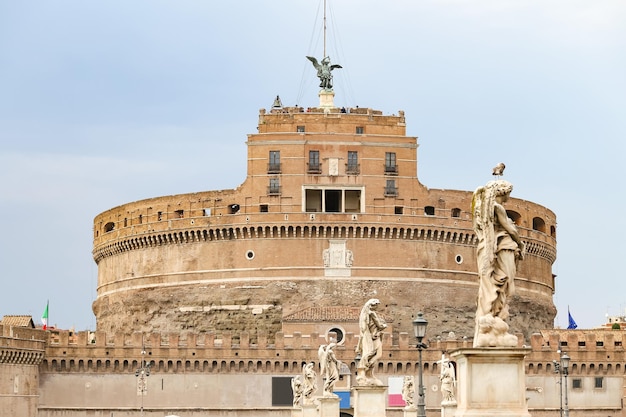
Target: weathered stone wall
[{"x": 186, "y": 281}]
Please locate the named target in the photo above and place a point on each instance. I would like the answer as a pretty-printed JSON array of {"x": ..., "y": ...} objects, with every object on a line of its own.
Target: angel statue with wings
[{"x": 324, "y": 71}]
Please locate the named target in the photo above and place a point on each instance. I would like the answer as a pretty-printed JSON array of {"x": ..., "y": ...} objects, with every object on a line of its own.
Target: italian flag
[{"x": 44, "y": 317}]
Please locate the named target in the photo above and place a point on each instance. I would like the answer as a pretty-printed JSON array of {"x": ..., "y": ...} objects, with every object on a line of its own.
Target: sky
[{"x": 104, "y": 103}]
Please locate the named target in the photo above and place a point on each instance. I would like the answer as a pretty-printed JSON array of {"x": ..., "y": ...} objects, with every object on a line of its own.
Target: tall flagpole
[{"x": 324, "y": 56}]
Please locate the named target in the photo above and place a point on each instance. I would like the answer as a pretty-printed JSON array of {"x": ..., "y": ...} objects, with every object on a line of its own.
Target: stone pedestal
[
  {"x": 296, "y": 412},
  {"x": 491, "y": 382},
  {"x": 410, "y": 411},
  {"x": 327, "y": 99},
  {"x": 329, "y": 406},
  {"x": 448, "y": 409},
  {"x": 309, "y": 410},
  {"x": 369, "y": 401}
]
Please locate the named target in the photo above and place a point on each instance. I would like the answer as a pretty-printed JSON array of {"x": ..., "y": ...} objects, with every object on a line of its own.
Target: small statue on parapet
[
  {"x": 329, "y": 368},
  {"x": 448, "y": 381},
  {"x": 408, "y": 392},
  {"x": 370, "y": 346},
  {"x": 296, "y": 387},
  {"x": 324, "y": 71},
  {"x": 309, "y": 383}
]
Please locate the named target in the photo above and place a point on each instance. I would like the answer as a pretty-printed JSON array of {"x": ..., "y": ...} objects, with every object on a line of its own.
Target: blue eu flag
[{"x": 572, "y": 324}]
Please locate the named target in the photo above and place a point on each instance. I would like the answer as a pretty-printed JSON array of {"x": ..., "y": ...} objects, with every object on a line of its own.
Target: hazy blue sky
[{"x": 103, "y": 103}]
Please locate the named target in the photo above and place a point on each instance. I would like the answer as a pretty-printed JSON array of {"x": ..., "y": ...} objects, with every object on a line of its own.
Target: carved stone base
[
  {"x": 329, "y": 406},
  {"x": 369, "y": 401},
  {"x": 327, "y": 99},
  {"x": 448, "y": 409},
  {"x": 491, "y": 382},
  {"x": 309, "y": 410},
  {"x": 410, "y": 411}
]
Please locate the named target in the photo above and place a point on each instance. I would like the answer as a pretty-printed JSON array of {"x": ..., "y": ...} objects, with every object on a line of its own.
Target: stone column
[
  {"x": 370, "y": 400},
  {"x": 329, "y": 406},
  {"x": 491, "y": 382}
]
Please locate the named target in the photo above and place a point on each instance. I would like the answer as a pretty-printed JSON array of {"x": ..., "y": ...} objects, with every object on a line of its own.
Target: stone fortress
[
  {"x": 224, "y": 295},
  {"x": 331, "y": 213}
]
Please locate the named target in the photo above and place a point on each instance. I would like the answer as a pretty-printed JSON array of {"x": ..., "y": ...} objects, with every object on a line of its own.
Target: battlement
[
  {"x": 546, "y": 341},
  {"x": 344, "y": 120},
  {"x": 21, "y": 345},
  {"x": 228, "y": 352},
  {"x": 578, "y": 340}
]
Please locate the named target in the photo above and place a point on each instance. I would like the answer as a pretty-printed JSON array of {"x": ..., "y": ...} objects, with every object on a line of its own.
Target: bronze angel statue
[{"x": 324, "y": 71}]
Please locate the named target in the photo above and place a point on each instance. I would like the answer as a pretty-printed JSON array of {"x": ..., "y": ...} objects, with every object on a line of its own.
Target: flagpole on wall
[{"x": 44, "y": 316}]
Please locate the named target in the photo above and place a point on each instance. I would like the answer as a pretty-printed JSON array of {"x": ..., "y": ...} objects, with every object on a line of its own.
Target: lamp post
[
  {"x": 565, "y": 367},
  {"x": 419, "y": 327},
  {"x": 142, "y": 374}
]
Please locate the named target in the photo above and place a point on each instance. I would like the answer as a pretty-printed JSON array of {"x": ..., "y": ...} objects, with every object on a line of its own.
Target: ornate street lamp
[
  {"x": 419, "y": 327},
  {"x": 142, "y": 374},
  {"x": 565, "y": 367}
]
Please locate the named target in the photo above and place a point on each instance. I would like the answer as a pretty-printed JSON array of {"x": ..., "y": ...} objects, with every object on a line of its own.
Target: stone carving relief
[{"x": 337, "y": 259}]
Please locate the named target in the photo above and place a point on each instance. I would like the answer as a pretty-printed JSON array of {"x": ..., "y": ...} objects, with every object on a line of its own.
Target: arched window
[
  {"x": 539, "y": 224},
  {"x": 515, "y": 216},
  {"x": 109, "y": 227}
]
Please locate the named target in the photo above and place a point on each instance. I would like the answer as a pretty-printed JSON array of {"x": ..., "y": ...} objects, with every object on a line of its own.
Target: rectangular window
[
  {"x": 282, "y": 394},
  {"x": 353, "y": 201},
  {"x": 313, "y": 201},
  {"x": 274, "y": 187},
  {"x": 159, "y": 215},
  {"x": 599, "y": 382},
  {"x": 179, "y": 214},
  {"x": 398, "y": 209},
  {"x": 300, "y": 129},
  {"x": 390, "y": 163},
  {"x": 352, "y": 167},
  {"x": 263, "y": 208},
  {"x": 577, "y": 383},
  {"x": 274, "y": 164},
  {"x": 332, "y": 200},
  {"x": 390, "y": 188},
  {"x": 359, "y": 130},
  {"x": 314, "y": 162}
]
